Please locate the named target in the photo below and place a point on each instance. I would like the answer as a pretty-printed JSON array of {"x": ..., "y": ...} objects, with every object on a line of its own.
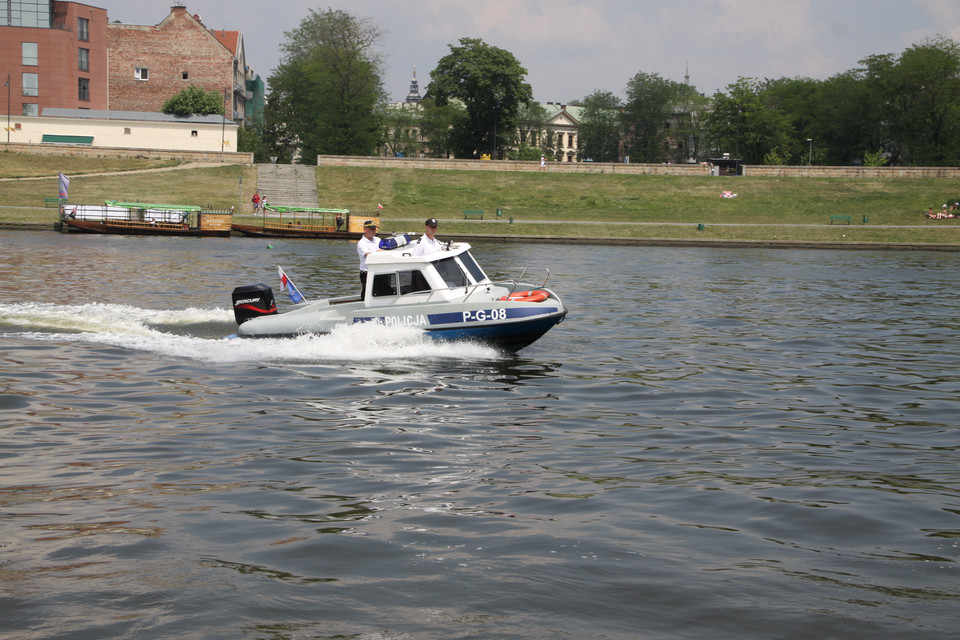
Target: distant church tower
[{"x": 414, "y": 96}]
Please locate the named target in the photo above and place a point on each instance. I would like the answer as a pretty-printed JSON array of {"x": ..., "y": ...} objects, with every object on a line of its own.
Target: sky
[{"x": 571, "y": 48}]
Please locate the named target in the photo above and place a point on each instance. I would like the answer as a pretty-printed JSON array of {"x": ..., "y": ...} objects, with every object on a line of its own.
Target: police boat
[{"x": 446, "y": 294}]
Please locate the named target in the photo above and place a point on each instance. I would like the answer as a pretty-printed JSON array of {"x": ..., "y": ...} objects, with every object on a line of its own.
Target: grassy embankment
[{"x": 592, "y": 205}]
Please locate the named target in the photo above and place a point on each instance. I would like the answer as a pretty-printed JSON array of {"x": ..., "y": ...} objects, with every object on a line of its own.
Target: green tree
[
  {"x": 846, "y": 124},
  {"x": 797, "y": 100},
  {"x": 280, "y": 140},
  {"x": 689, "y": 130},
  {"x": 599, "y": 133},
  {"x": 329, "y": 83},
  {"x": 650, "y": 103},
  {"x": 438, "y": 123},
  {"x": 744, "y": 123},
  {"x": 925, "y": 92},
  {"x": 489, "y": 82},
  {"x": 250, "y": 139},
  {"x": 532, "y": 137},
  {"x": 400, "y": 128},
  {"x": 194, "y": 101}
]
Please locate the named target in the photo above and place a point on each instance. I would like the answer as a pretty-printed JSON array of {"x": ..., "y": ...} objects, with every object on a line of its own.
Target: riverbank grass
[{"x": 542, "y": 204}]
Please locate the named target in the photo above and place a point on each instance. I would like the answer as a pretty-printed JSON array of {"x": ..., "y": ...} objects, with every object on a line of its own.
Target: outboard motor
[{"x": 253, "y": 301}]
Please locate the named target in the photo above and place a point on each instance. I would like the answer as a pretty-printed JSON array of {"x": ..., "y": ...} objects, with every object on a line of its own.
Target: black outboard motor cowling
[{"x": 253, "y": 301}]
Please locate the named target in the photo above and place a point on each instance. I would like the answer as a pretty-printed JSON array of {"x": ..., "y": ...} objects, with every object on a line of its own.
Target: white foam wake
[{"x": 204, "y": 334}]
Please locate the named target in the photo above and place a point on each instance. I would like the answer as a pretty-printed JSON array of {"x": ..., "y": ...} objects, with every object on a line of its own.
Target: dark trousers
[{"x": 363, "y": 284}]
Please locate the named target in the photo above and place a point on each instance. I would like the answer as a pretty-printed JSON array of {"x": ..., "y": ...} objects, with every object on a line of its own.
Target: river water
[{"x": 741, "y": 443}]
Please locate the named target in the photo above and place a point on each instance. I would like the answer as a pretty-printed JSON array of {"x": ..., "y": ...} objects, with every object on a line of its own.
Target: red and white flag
[{"x": 286, "y": 285}]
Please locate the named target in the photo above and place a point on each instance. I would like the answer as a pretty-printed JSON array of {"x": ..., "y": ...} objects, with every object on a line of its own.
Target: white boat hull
[
  {"x": 508, "y": 324},
  {"x": 444, "y": 293}
]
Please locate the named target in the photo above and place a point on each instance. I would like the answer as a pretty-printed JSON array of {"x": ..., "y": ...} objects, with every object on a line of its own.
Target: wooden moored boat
[
  {"x": 139, "y": 218},
  {"x": 306, "y": 222}
]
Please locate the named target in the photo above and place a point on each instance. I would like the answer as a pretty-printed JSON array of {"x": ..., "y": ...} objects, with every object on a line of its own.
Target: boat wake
[{"x": 206, "y": 335}]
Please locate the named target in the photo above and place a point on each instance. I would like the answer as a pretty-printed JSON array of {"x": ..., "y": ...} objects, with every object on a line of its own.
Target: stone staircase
[{"x": 288, "y": 185}]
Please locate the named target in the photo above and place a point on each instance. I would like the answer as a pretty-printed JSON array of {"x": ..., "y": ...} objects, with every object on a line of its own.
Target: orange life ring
[{"x": 527, "y": 296}]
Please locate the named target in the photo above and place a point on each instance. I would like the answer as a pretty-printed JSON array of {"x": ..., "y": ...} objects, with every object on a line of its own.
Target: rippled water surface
[{"x": 714, "y": 444}]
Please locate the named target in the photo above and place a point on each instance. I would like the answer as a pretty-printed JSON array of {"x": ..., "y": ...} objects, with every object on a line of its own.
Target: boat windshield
[
  {"x": 472, "y": 267},
  {"x": 449, "y": 269}
]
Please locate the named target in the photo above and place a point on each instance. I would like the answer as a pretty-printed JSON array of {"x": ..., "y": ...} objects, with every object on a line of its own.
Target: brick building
[
  {"x": 52, "y": 54},
  {"x": 149, "y": 64}
]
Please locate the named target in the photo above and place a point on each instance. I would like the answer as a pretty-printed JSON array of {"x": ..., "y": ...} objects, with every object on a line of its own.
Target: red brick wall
[
  {"x": 58, "y": 62},
  {"x": 178, "y": 44}
]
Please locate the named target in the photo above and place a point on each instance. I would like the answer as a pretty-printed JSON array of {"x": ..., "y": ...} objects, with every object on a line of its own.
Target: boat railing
[
  {"x": 304, "y": 218},
  {"x": 468, "y": 290},
  {"x": 123, "y": 215},
  {"x": 514, "y": 284}
]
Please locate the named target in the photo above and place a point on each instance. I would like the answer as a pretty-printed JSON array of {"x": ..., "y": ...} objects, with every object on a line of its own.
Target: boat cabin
[{"x": 397, "y": 277}]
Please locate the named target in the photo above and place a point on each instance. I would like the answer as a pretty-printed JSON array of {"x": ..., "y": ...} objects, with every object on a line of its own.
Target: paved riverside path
[{"x": 661, "y": 224}]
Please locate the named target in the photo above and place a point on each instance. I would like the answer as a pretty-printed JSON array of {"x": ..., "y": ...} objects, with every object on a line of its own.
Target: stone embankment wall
[
  {"x": 638, "y": 169},
  {"x": 47, "y": 149},
  {"x": 514, "y": 165},
  {"x": 849, "y": 172}
]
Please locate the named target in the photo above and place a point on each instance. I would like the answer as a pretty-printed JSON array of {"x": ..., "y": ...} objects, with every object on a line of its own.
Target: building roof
[
  {"x": 229, "y": 39},
  {"x": 139, "y": 116},
  {"x": 556, "y": 111}
]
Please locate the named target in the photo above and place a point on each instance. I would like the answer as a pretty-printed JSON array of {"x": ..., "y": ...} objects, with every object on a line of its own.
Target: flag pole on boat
[{"x": 287, "y": 285}]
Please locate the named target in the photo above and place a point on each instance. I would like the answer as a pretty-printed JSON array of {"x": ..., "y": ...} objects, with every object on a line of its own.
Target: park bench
[
  {"x": 54, "y": 202},
  {"x": 472, "y": 213},
  {"x": 843, "y": 219}
]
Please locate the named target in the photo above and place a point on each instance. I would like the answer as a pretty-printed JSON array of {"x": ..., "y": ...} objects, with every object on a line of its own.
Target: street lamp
[
  {"x": 223, "y": 125},
  {"x": 496, "y": 115},
  {"x": 810, "y": 157},
  {"x": 7, "y": 85}
]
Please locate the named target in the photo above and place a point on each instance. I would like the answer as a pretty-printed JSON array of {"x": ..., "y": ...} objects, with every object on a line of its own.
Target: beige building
[
  {"x": 127, "y": 130},
  {"x": 563, "y": 123}
]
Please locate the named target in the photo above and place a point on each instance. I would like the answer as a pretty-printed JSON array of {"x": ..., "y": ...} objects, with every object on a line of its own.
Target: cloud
[
  {"x": 573, "y": 47},
  {"x": 945, "y": 14}
]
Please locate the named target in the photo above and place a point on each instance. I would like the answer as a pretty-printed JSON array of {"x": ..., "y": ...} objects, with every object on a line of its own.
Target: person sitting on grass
[{"x": 943, "y": 214}]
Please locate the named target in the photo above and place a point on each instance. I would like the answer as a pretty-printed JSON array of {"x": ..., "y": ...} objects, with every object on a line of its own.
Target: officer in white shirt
[
  {"x": 427, "y": 243},
  {"x": 368, "y": 244}
]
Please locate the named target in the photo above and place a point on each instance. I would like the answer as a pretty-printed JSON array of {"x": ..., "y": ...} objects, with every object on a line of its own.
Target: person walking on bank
[
  {"x": 368, "y": 244},
  {"x": 428, "y": 242}
]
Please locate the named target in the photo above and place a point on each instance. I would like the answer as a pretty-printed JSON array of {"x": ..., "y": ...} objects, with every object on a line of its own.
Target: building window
[
  {"x": 83, "y": 89},
  {"x": 30, "y": 109},
  {"x": 83, "y": 29},
  {"x": 83, "y": 59},
  {"x": 193, "y": 134},
  {"x": 31, "y": 57},
  {"x": 25, "y": 13},
  {"x": 31, "y": 84},
  {"x": 141, "y": 73},
  {"x": 126, "y": 131},
  {"x": 184, "y": 75}
]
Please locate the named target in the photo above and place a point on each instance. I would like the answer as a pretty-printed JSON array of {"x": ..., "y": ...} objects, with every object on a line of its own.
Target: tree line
[{"x": 327, "y": 97}]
